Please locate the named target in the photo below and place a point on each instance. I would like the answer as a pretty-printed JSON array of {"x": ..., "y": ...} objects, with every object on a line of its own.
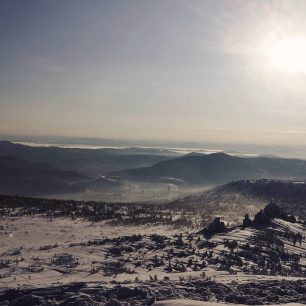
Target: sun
[{"x": 287, "y": 55}]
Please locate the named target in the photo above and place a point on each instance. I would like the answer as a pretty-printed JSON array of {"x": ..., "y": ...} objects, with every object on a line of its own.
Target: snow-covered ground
[
  {"x": 37, "y": 252},
  {"x": 32, "y": 242}
]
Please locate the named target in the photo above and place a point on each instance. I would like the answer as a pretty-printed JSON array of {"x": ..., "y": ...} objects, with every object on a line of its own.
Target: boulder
[{"x": 217, "y": 226}]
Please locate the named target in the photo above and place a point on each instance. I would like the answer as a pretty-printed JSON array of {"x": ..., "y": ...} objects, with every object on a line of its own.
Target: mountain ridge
[
  {"x": 92, "y": 162},
  {"x": 218, "y": 168}
]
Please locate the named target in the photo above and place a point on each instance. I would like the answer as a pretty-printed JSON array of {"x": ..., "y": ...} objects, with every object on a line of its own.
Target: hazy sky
[{"x": 198, "y": 70}]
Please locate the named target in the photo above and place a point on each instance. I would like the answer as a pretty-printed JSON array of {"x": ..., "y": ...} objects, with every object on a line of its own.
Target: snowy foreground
[{"x": 61, "y": 261}]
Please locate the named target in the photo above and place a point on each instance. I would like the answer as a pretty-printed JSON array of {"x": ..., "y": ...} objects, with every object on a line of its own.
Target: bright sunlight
[{"x": 288, "y": 55}]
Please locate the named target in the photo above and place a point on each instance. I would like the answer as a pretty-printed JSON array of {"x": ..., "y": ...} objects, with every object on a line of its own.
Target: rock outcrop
[
  {"x": 217, "y": 226},
  {"x": 266, "y": 215}
]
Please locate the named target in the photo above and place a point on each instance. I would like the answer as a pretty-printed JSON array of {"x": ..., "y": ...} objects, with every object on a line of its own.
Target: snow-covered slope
[{"x": 262, "y": 261}]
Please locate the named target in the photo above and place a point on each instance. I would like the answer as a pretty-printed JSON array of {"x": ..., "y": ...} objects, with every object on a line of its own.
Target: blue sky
[{"x": 195, "y": 70}]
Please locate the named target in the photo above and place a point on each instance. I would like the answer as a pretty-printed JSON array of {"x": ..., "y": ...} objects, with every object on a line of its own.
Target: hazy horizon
[
  {"x": 198, "y": 71},
  {"x": 177, "y": 147}
]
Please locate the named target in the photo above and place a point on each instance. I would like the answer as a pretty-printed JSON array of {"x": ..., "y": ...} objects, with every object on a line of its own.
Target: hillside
[
  {"x": 217, "y": 168},
  {"x": 21, "y": 177},
  {"x": 248, "y": 196},
  {"x": 291, "y": 195}
]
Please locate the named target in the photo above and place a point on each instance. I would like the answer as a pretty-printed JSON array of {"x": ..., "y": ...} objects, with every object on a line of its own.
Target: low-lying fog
[{"x": 135, "y": 192}]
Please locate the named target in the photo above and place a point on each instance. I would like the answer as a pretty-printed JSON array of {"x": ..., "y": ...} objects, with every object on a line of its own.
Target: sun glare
[{"x": 288, "y": 55}]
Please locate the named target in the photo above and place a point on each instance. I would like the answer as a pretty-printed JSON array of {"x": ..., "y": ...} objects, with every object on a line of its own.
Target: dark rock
[
  {"x": 29, "y": 300},
  {"x": 271, "y": 211},
  {"x": 261, "y": 218},
  {"x": 100, "y": 298},
  {"x": 113, "y": 302},
  {"x": 247, "y": 221},
  {"x": 300, "y": 289},
  {"x": 215, "y": 227},
  {"x": 274, "y": 211},
  {"x": 125, "y": 293},
  {"x": 79, "y": 300}
]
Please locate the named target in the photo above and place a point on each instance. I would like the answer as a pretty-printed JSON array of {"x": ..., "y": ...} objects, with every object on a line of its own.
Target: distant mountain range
[
  {"x": 40, "y": 171},
  {"x": 32, "y": 171},
  {"x": 217, "y": 168},
  {"x": 92, "y": 162}
]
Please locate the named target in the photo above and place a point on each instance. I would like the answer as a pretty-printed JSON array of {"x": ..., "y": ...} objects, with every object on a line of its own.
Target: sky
[{"x": 231, "y": 71}]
